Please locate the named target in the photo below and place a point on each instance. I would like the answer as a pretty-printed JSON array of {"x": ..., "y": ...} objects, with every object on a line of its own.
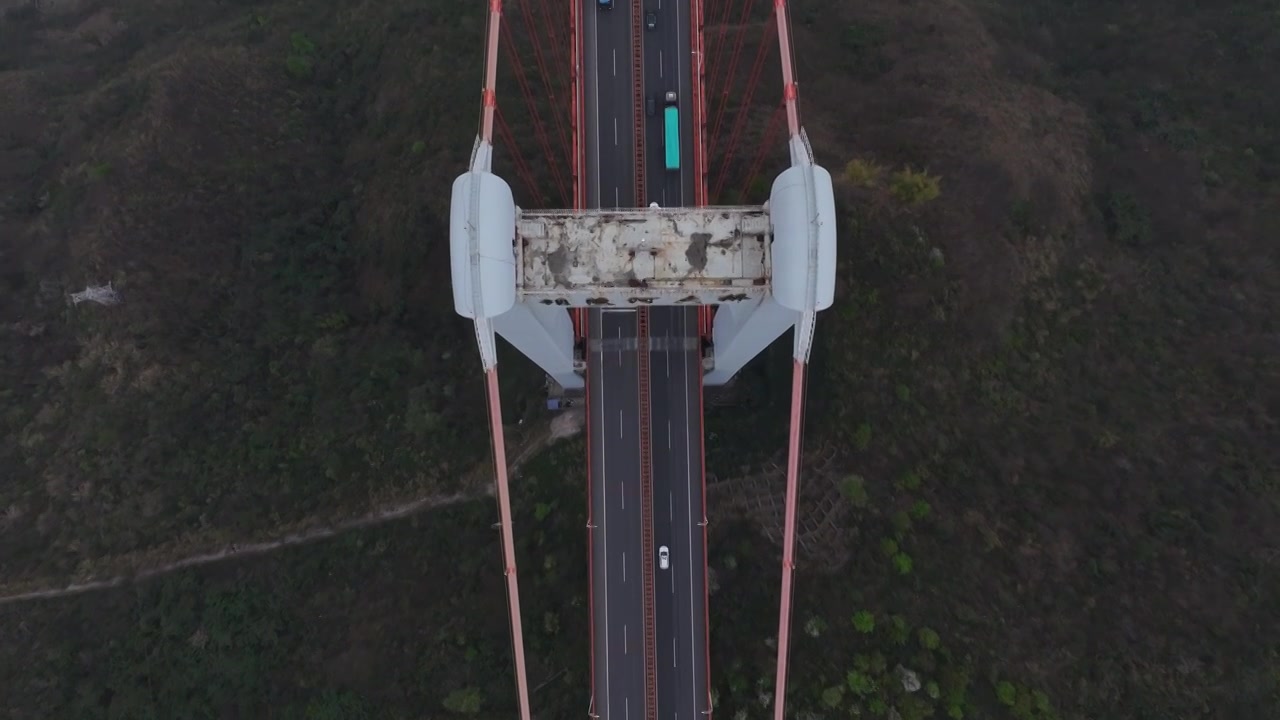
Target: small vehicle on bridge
[
  {"x": 664, "y": 558},
  {"x": 651, "y": 20},
  {"x": 606, "y": 4}
]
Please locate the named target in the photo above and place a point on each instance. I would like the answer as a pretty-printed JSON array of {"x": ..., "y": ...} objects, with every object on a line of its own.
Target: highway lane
[
  {"x": 676, "y": 409},
  {"x": 609, "y": 131},
  {"x": 667, "y": 66},
  {"x": 617, "y": 556},
  {"x": 678, "y": 511},
  {"x": 613, "y": 367}
]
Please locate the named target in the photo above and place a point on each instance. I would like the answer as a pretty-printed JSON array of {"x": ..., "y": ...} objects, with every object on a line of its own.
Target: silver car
[{"x": 664, "y": 558}]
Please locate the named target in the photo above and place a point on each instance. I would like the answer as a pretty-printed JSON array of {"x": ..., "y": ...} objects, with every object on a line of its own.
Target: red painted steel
[
  {"x": 646, "y": 517},
  {"x": 539, "y": 131},
  {"x": 740, "y": 118},
  {"x": 578, "y": 121},
  {"x": 790, "y": 93},
  {"x": 508, "y": 539},
  {"x": 517, "y": 159},
  {"x": 766, "y": 141},
  {"x": 789, "y": 534},
  {"x": 637, "y": 107},
  {"x": 727, "y": 84},
  {"x": 706, "y": 553},
  {"x": 699, "y": 105},
  {"x": 489, "y": 100}
]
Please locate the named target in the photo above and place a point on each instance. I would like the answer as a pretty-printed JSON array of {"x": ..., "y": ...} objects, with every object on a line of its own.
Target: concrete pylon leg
[
  {"x": 741, "y": 331},
  {"x": 544, "y": 334}
]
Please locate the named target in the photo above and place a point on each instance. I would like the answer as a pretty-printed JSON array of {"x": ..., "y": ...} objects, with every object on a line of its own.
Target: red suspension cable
[
  {"x": 713, "y": 68},
  {"x": 544, "y": 72},
  {"x": 562, "y": 69},
  {"x": 539, "y": 131},
  {"x": 727, "y": 86},
  {"x": 744, "y": 111},
  {"x": 766, "y": 142},
  {"x": 522, "y": 169}
]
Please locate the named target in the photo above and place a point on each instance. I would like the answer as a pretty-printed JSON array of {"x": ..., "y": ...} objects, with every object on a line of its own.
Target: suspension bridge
[{"x": 642, "y": 293}]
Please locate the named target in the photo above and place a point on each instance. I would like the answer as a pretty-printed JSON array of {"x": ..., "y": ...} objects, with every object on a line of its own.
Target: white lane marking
[
  {"x": 668, "y": 351},
  {"x": 627, "y": 706},
  {"x": 604, "y": 528},
  {"x": 624, "y": 495},
  {"x": 660, "y": 69},
  {"x": 619, "y": 335},
  {"x": 620, "y": 424},
  {"x": 617, "y": 199},
  {"x": 615, "y": 62},
  {"x": 688, "y": 474},
  {"x": 671, "y": 513},
  {"x": 668, "y": 434},
  {"x": 595, "y": 76},
  {"x": 624, "y": 575},
  {"x": 681, "y": 137},
  {"x": 615, "y": 131},
  {"x": 673, "y": 652},
  {"x": 624, "y": 640}
]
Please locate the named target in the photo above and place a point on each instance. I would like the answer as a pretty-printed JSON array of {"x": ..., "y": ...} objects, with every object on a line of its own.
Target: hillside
[{"x": 1043, "y": 428}]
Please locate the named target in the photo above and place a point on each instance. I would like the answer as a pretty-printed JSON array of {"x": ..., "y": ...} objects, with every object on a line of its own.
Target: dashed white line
[
  {"x": 671, "y": 515},
  {"x": 688, "y": 474},
  {"x": 620, "y": 423},
  {"x": 668, "y": 434},
  {"x": 615, "y": 62},
  {"x": 624, "y": 573},
  {"x": 623, "y": 494},
  {"x": 624, "y": 640},
  {"x": 617, "y": 197},
  {"x": 659, "y": 63},
  {"x": 673, "y": 652},
  {"x": 615, "y": 131}
]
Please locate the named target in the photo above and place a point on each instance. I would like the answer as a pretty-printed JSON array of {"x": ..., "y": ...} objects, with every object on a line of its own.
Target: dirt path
[{"x": 563, "y": 426}]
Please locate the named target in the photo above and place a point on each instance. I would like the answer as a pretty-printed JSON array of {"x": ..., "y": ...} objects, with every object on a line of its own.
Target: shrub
[
  {"x": 466, "y": 701},
  {"x": 902, "y": 562},
  {"x": 864, "y": 622},
  {"x": 863, "y": 173},
  {"x": 833, "y": 696},
  {"x": 913, "y": 188},
  {"x": 888, "y": 547},
  {"x": 860, "y": 683},
  {"x": 301, "y": 59},
  {"x": 862, "y": 437},
  {"x": 929, "y": 639},
  {"x": 854, "y": 488},
  {"x": 1126, "y": 221},
  {"x": 1006, "y": 693}
]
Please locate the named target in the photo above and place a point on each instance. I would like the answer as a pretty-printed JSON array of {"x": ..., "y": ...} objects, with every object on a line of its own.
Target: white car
[{"x": 664, "y": 558}]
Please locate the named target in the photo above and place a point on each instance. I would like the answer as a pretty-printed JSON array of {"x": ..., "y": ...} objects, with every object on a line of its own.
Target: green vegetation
[
  {"x": 863, "y": 173},
  {"x": 911, "y": 188},
  {"x": 1040, "y": 482}
]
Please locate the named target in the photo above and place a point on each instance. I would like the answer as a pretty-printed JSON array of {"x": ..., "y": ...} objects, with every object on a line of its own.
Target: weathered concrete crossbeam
[{"x": 651, "y": 256}]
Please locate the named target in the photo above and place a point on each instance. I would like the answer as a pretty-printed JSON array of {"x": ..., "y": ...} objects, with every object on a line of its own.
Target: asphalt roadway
[
  {"x": 675, "y": 410},
  {"x": 679, "y": 592},
  {"x": 616, "y": 554},
  {"x": 614, "y": 390}
]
